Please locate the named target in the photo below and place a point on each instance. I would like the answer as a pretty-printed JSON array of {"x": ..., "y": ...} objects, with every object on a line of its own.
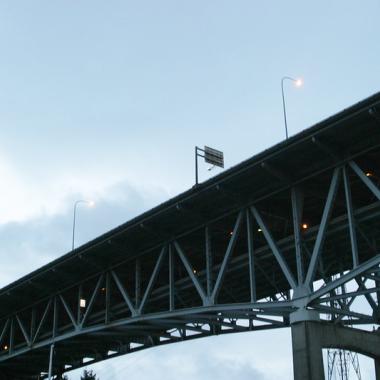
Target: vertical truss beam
[
  {"x": 273, "y": 246},
  {"x": 351, "y": 219},
  {"x": 251, "y": 257},
  {"x": 137, "y": 283},
  {"x": 107, "y": 317},
  {"x": 32, "y": 322},
  {"x": 297, "y": 206},
  {"x": 209, "y": 279},
  {"x": 171, "y": 279},
  {"x": 323, "y": 227},
  {"x": 79, "y": 309},
  {"x": 11, "y": 336},
  {"x": 55, "y": 316}
]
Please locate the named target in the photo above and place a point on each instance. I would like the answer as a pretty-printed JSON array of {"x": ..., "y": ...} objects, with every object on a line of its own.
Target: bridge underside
[{"x": 289, "y": 235}]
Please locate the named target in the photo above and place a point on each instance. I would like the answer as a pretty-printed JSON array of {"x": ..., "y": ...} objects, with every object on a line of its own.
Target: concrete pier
[{"x": 310, "y": 337}]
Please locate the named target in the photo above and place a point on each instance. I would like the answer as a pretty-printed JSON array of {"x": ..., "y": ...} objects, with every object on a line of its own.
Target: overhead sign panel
[{"x": 214, "y": 157}]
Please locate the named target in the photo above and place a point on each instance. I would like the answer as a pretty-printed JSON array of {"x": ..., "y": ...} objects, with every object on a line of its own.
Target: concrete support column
[
  {"x": 307, "y": 354},
  {"x": 310, "y": 337}
]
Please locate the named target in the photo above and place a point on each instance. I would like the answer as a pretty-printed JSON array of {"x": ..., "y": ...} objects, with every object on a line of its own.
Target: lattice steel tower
[{"x": 340, "y": 363}]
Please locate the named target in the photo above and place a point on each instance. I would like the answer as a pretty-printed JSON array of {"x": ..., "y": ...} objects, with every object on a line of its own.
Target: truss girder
[{"x": 250, "y": 270}]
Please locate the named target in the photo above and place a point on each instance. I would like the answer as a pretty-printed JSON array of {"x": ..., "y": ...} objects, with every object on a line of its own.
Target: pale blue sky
[{"x": 107, "y": 99}]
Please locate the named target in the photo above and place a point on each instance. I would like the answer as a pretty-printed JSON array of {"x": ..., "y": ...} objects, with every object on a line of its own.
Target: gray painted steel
[{"x": 254, "y": 248}]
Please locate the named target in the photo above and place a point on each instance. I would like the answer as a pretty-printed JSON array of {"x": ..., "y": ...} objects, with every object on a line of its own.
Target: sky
[{"x": 105, "y": 100}]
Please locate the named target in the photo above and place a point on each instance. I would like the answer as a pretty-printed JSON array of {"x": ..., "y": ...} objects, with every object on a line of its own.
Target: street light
[
  {"x": 90, "y": 204},
  {"x": 298, "y": 83}
]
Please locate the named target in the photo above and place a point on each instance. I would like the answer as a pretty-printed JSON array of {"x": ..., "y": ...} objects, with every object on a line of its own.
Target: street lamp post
[
  {"x": 90, "y": 204},
  {"x": 298, "y": 83}
]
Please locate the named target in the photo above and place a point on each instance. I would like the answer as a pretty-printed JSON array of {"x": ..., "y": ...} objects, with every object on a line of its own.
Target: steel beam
[
  {"x": 351, "y": 218},
  {"x": 191, "y": 273},
  {"x": 276, "y": 252},
  {"x": 251, "y": 257},
  {"x": 322, "y": 228},
  {"x": 297, "y": 206},
  {"x": 231, "y": 245},
  {"x": 366, "y": 180}
]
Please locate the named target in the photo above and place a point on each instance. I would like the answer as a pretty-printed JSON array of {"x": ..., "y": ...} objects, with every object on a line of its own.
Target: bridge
[{"x": 287, "y": 238}]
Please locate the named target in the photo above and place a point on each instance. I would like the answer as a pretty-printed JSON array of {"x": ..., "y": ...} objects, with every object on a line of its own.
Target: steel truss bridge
[{"x": 266, "y": 244}]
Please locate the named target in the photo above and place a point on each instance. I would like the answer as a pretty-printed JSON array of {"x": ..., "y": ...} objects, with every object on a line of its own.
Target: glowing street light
[
  {"x": 89, "y": 204},
  {"x": 298, "y": 83}
]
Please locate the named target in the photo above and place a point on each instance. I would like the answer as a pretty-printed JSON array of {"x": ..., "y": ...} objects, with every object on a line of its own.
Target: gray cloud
[
  {"x": 186, "y": 364},
  {"x": 26, "y": 246}
]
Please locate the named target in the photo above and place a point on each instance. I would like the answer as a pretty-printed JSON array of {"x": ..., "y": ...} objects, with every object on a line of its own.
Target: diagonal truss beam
[
  {"x": 351, "y": 218},
  {"x": 369, "y": 264},
  {"x": 68, "y": 311},
  {"x": 344, "y": 313},
  {"x": 42, "y": 320},
  {"x": 92, "y": 299},
  {"x": 322, "y": 228},
  {"x": 23, "y": 330},
  {"x": 360, "y": 291},
  {"x": 230, "y": 248},
  {"x": 124, "y": 293},
  {"x": 366, "y": 180},
  {"x": 190, "y": 272},
  {"x": 152, "y": 279},
  {"x": 4, "y": 330},
  {"x": 367, "y": 293},
  {"x": 272, "y": 244}
]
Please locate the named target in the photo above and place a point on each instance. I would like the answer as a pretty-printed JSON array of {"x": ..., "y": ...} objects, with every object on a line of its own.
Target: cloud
[
  {"x": 45, "y": 192},
  {"x": 231, "y": 356},
  {"x": 28, "y": 244},
  {"x": 187, "y": 364},
  {"x": 43, "y": 236}
]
